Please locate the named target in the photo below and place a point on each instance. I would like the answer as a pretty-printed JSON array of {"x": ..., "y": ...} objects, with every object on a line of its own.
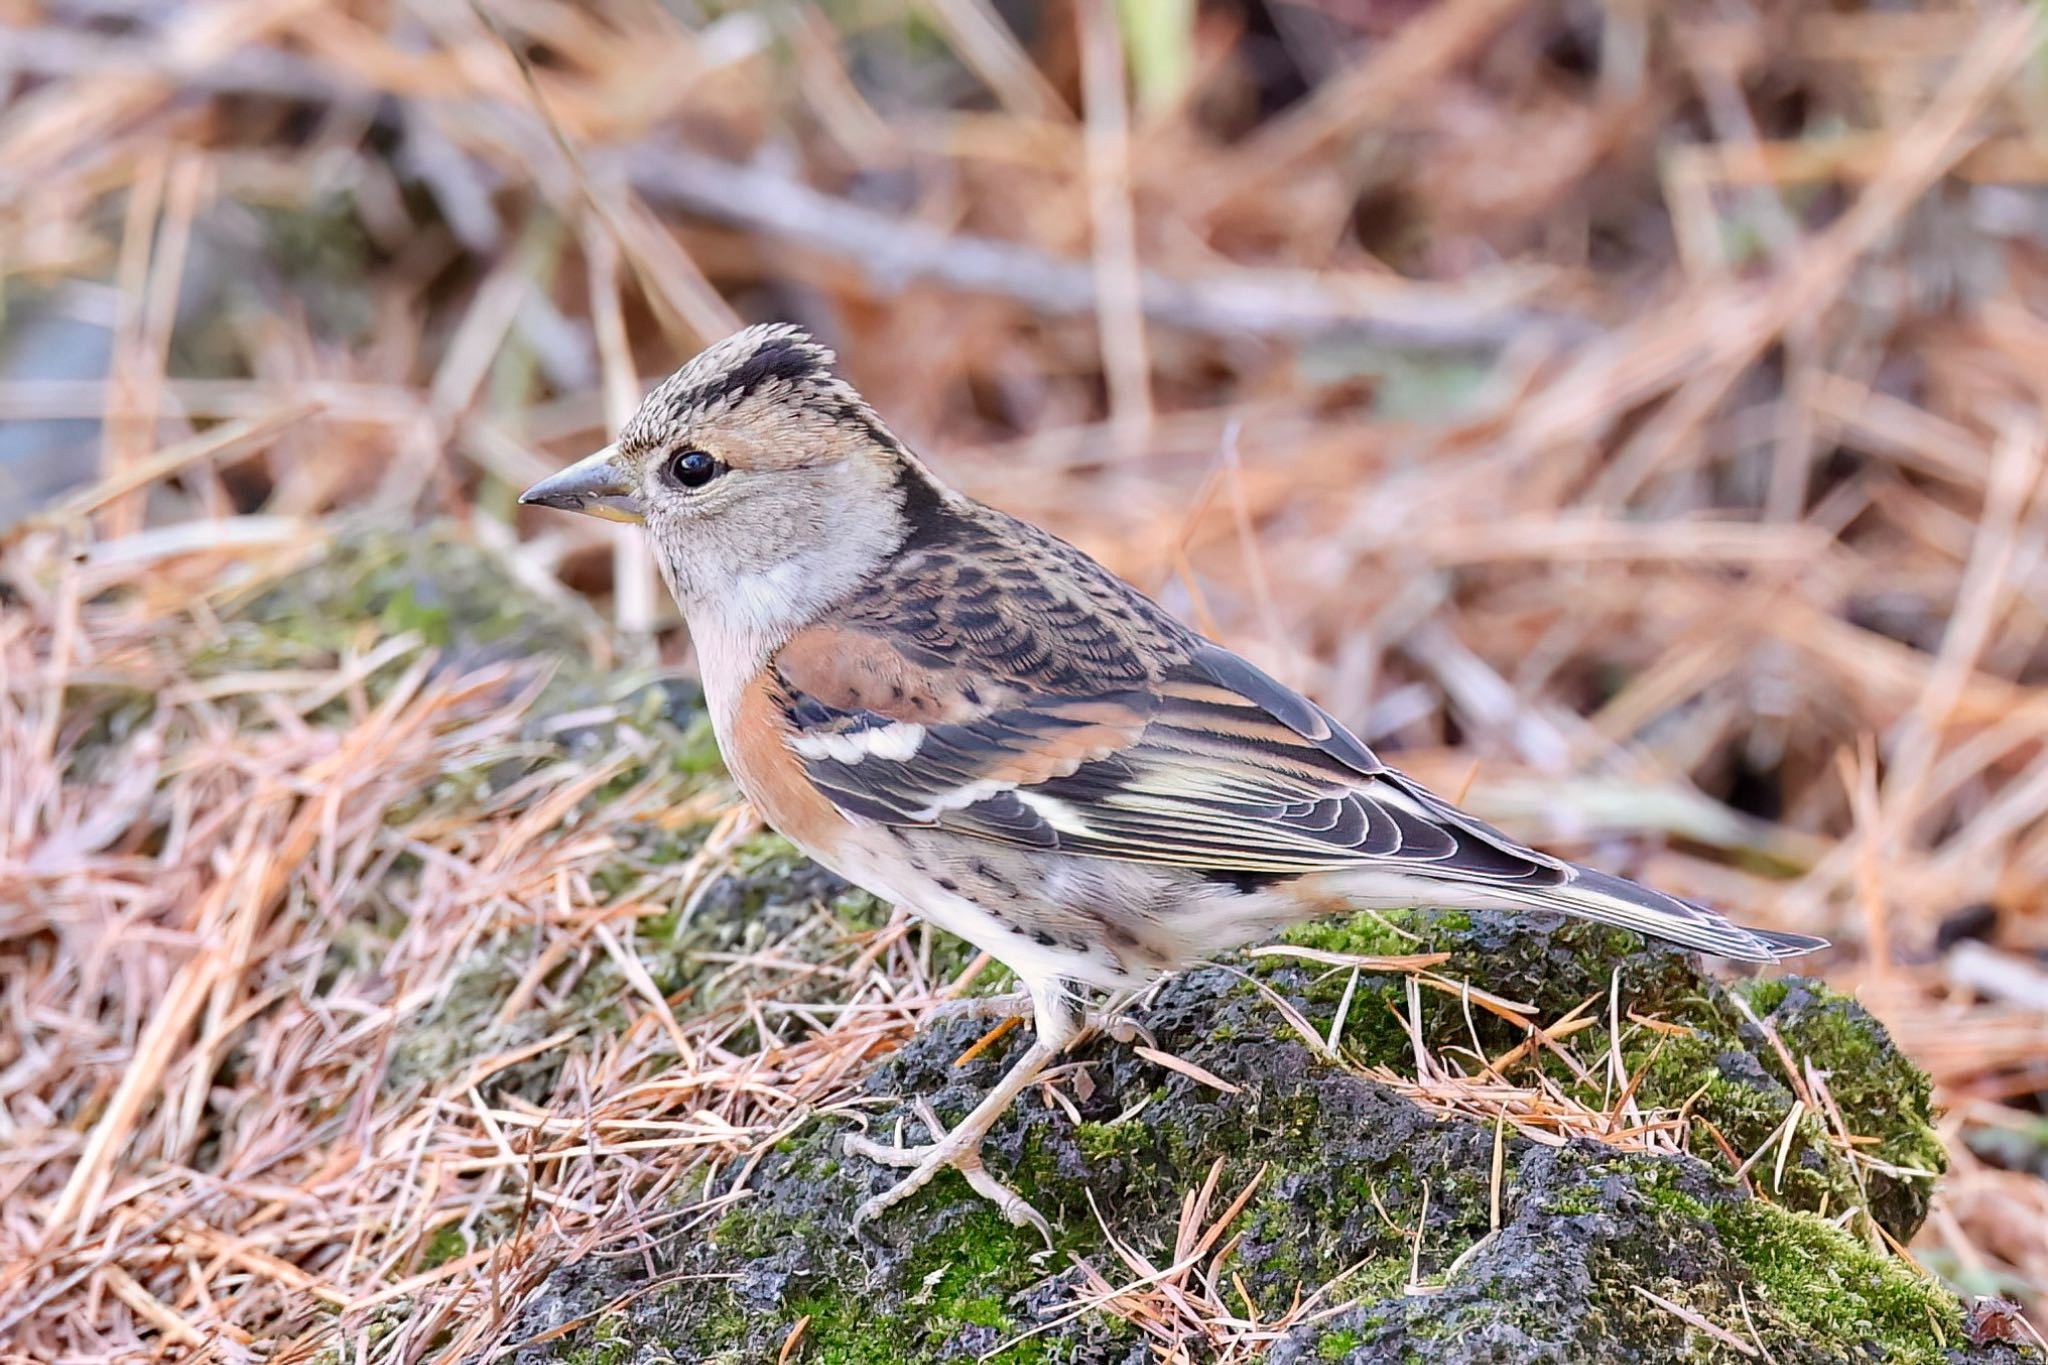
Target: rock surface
[{"x": 1362, "y": 1198}]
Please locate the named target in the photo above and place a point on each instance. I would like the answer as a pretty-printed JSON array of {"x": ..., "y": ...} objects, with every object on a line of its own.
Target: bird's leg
[{"x": 960, "y": 1147}]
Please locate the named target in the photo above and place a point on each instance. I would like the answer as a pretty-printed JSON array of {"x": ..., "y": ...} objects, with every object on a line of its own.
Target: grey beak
[{"x": 594, "y": 485}]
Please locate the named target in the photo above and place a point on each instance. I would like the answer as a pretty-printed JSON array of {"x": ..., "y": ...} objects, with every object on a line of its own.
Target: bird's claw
[{"x": 958, "y": 1149}]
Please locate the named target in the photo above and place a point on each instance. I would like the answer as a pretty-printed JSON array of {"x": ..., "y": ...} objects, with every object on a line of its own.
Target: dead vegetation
[{"x": 1634, "y": 421}]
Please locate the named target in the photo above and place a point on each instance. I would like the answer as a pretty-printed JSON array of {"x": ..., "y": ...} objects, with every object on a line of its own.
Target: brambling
[{"x": 970, "y": 717}]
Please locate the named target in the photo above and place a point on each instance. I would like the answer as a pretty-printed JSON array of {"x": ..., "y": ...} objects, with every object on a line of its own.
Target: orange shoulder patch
[
  {"x": 773, "y": 777},
  {"x": 852, "y": 670}
]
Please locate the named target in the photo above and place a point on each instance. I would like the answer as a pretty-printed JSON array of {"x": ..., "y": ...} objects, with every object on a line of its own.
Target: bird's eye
[{"x": 694, "y": 468}]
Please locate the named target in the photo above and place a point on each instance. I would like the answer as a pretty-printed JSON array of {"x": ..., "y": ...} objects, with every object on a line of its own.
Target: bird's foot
[{"x": 958, "y": 1148}]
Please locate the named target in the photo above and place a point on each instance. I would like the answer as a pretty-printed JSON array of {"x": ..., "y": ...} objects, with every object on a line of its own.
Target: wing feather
[{"x": 1064, "y": 713}]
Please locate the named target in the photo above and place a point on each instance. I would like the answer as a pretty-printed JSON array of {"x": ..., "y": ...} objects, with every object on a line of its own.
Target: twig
[{"x": 896, "y": 252}]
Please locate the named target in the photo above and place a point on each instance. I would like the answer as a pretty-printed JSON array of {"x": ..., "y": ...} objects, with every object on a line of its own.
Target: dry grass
[
  {"x": 1550, "y": 390},
  {"x": 142, "y": 1196}
]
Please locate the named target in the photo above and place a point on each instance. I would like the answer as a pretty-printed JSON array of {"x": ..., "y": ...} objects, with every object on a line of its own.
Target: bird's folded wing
[{"x": 1206, "y": 763}]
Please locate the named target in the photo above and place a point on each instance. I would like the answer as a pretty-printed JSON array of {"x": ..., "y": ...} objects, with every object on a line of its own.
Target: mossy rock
[
  {"x": 365, "y": 586},
  {"x": 1708, "y": 1053},
  {"x": 1382, "y": 1210}
]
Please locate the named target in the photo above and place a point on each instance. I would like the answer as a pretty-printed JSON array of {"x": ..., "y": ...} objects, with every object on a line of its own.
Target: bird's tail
[
  {"x": 1565, "y": 887},
  {"x": 1614, "y": 900},
  {"x": 1444, "y": 857}
]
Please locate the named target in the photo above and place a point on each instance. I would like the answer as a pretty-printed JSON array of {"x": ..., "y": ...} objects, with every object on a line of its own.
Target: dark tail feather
[
  {"x": 1614, "y": 900},
  {"x": 1790, "y": 945}
]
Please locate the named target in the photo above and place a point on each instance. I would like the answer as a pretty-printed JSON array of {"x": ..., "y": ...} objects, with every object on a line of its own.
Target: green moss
[
  {"x": 459, "y": 1023},
  {"x": 1765, "y": 993},
  {"x": 1828, "y": 1287},
  {"x": 1732, "y": 1094},
  {"x": 612, "y": 1343},
  {"x": 1815, "y": 1291},
  {"x": 840, "y": 1332},
  {"x": 1879, "y": 1091},
  {"x": 961, "y": 1275},
  {"x": 1338, "y": 1344},
  {"x": 1108, "y": 1141},
  {"x": 1665, "y": 1196},
  {"x": 954, "y": 1285},
  {"x": 1573, "y": 1201},
  {"x": 959, "y": 1281},
  {"x": 365, "y": 586},
  {"x": 1731, "y": 1081},
  {"x": 446, "y": 1244},
  {"x": 696, "y": 752},
  {"x": 1393, "y": 933},
  {"x": 765, "y": 853}
]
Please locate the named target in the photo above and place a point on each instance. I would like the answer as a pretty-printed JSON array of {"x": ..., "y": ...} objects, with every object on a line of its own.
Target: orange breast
[{"x": 773, "y": 777}]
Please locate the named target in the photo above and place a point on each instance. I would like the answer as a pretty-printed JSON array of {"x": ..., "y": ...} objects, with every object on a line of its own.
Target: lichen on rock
[{"x": 1380, "y": 1213}]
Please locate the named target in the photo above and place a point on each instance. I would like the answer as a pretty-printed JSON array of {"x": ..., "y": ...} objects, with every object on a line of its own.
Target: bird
[{"x": 968, "y": 716}]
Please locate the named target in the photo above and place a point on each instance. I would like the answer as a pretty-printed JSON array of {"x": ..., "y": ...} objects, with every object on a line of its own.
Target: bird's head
[{"x": 765, "y": 481}]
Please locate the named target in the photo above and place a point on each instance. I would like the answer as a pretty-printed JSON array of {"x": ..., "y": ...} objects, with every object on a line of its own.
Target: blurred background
[{"x": 1629, "y": 415}]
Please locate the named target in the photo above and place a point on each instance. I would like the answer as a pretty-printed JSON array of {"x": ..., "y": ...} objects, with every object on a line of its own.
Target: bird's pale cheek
[{"x": 594, "y": 486}]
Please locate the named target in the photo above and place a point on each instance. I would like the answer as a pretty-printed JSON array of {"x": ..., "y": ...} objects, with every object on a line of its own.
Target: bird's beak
[{"x": 594, "y": 485}]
